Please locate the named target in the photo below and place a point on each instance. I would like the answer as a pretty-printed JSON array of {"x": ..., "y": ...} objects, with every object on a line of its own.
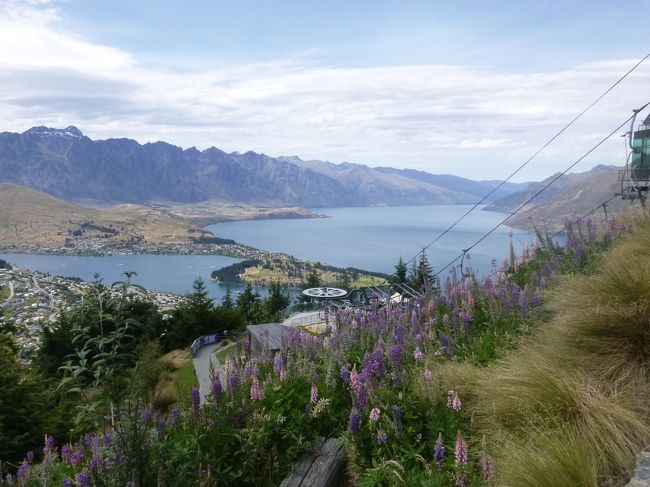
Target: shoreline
[{"x": 255, "y": 273}]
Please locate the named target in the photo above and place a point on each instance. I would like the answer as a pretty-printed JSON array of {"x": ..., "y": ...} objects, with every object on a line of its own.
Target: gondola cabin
[{"x": 635, "y": 178}]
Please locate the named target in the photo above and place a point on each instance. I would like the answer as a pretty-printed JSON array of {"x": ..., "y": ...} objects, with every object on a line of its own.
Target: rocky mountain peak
[{"x": 42, "y": 131}]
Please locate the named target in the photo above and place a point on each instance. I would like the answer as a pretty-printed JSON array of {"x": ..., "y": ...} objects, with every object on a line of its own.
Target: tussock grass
[
  {"x": 551, "y": 456},
  {"x": 571, "y": 405}
]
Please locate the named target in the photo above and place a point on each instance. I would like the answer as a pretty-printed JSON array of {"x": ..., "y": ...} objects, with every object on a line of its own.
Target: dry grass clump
[
  {"x": 550, "y": 456},
  {"x": 571, "y": 405}
]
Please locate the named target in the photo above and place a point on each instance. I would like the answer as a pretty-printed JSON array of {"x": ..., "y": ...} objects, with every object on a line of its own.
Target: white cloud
[{"x": 474, "y": 122}]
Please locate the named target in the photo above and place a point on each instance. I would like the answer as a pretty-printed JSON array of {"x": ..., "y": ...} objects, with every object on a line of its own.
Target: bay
[
  {"x": 170, "y": 273},
  {"x": 373, "y": 238}
]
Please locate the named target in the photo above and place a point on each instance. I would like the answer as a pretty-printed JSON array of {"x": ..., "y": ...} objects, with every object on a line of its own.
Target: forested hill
[{"x": 69, "y": 165}]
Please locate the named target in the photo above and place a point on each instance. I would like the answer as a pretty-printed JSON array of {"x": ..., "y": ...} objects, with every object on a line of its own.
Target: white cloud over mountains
[{"x": 473, "y": 122}]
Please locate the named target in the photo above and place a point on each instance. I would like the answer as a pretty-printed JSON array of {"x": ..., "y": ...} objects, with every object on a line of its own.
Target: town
[{"x": 32, "y": 300}]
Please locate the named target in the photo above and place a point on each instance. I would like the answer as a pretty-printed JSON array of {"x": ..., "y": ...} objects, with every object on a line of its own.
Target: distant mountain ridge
[
  {"x": 565, "y": 183},
  {"x": 67, "y": 164},
  {"x": 587, "y": 192}
]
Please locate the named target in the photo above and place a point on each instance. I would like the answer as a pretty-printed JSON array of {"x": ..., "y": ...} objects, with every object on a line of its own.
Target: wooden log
[{"x": 326, "y": 469}]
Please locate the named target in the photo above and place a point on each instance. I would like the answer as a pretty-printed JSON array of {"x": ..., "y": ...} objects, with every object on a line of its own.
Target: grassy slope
[
  {"x": 571, "y": 406},
  {"x": 575, "y": 201},
  {"x": 28, "y": 216}
]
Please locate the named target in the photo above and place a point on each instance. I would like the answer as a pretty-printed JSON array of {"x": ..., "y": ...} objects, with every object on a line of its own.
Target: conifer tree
[
  {"x": 400, "y": 272},
  {"x": 227, "y": 301}
]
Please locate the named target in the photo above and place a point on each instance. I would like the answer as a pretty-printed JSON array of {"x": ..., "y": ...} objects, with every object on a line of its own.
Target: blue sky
[{"x": 470, "y": 88}]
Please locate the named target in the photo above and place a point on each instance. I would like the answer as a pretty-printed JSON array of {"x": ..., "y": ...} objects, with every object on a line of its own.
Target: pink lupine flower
[
  {"x": 314, "y": 394},
  {"x": 257, "y": 392},
  {"x": 453, "y": 402},
  {"x": 417, "y": 354},
  {"x": 375, "y": 413},
  {"x": 460, "y": 450}
]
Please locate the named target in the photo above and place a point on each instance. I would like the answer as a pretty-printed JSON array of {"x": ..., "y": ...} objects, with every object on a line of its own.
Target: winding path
[{"x": 202, "y": 360}]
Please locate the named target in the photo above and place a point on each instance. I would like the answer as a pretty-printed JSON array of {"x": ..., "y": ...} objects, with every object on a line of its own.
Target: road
[
  {"x": 204, "y": 357},
  {"x": 11, "y": 291},
  {"x": 54, "y": 311}
]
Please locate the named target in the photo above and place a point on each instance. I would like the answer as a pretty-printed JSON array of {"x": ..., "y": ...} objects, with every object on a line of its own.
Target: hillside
[
  {"x": 67, "y": 164},
  {"x": 28, "y": 216},
  {"x": 574, "y": 201},
  {"x": 565, "y": 183}
]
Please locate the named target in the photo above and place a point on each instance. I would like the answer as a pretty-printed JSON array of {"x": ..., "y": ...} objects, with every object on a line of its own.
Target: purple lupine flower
[
  {"x": 233, "y": 381},
  {"x": 461, "y": 481},
  {"x": 445, "y": 320},
  {"x": 257, "y": 392},
  {"x": 460, "y": 450},
  {"x": 66, "y": 453},
  {"x": 396, "y": 353},
  {"x": 77, "y": 456},
  {"x": 23, "y": 470},
  {"x": 147, "y": 415},
  {"x": 67, "y": 482},
  {"x": 216, "y": 388},
  {"x": 417, "y": 354},
  {"x": 344, "y": 373},
  {"x": 174, "y": 417},
  {"x": 453, "y": 401},
  {"x": 382, "y": 438},
  {"x": 49, "y": 444},
  {"x": 162, "y": 426},
  {"x": 83, "y": 479},
  {"x": 465, "y": 319},
  {"x": 354, "y": 422},
  {"x": 9, "y": 478},
  {"x": 397, "y": 418},
  {"x": 375, "y": 413},
  {"x": 283, "y": 374},
  {"x": 196, "y": 399},
  {"x": 277, "y": 363},
  {"x": 361, "y": 396},
  {"x": 313, "y": 398},
  {"x": 439, "y": 451},
  {"x": 30, "y": 456}
]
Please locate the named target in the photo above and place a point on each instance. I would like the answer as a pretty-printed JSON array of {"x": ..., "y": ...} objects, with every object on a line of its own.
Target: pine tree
[
  {"x": 248, "y": 303},
  {"x": 313, "y": 279},
  {"x": 421, "y": 275},
  {"x": 425, "y": 271},
  {"x": 227, "y": 301},
  {"x": 275, "y": 302},
  {"x": 400, "y": 272}
]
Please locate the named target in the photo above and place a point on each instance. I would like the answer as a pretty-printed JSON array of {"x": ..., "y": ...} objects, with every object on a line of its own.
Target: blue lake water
[
  {"x": 172, "y": 273},
  {"x": 374, "y": 238},
  {"x": 366, "y": 238}
]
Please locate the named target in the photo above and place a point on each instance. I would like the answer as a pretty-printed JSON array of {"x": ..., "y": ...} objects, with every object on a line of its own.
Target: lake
[
  {"x": 366, "y": 238},
  {"x": 172, "y": 273},
  {"x": 374, "y": 238}
]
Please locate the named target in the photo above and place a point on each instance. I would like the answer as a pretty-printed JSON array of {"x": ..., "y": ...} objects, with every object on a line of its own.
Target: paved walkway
[
  {"x": 305, "y": 318},
  {"x": 204, "y": 357}
]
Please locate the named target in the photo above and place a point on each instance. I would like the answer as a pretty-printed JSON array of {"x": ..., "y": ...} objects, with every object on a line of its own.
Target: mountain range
[{"x": 69, "y": 165}]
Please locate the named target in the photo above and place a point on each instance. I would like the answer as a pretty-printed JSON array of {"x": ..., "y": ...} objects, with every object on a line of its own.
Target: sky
[{"x": 471, "y": 88}]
